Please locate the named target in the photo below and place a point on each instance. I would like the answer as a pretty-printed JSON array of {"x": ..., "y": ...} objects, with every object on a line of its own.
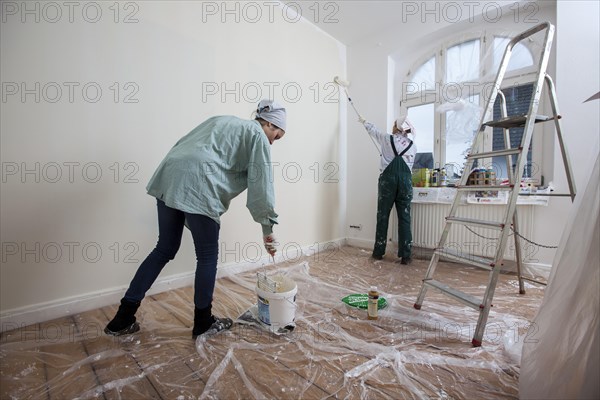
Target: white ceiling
[{"x": 350, "y": 21}]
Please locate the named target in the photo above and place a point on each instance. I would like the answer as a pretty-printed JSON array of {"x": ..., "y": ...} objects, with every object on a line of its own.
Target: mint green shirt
[{"x": 212, "y": 164}]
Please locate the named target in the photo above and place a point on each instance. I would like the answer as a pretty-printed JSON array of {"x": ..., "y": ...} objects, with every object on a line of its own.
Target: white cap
[{"x": 272, "y": 112}]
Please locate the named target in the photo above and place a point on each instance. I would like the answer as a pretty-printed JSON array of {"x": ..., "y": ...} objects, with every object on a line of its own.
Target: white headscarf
[{"x": 272, "y": 112}]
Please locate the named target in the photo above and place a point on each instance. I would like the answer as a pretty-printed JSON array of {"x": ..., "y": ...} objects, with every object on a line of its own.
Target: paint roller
[
  {"x": 341, "y": 82},
  {"x": 345, "y": 84}
]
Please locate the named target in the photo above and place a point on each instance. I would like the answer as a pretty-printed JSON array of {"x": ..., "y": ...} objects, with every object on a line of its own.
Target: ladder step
[
  {"x": 481, "y": 262},
  {"x": 476, "y": 222},
  {"x": 465, "y": 298},
  {"x": 484, "y": 187},
  {"x": 495, "y": 153},
  {"x": 515, "y": 121}
]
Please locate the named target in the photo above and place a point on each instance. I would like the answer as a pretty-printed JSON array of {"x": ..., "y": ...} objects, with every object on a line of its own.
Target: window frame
[{"x": 512, "y": 78}]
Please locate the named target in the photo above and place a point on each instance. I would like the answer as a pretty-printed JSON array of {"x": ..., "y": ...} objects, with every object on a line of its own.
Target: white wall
[
  {"x": 369, "y": 61},
  {"x": 406, "y": 44},
  {"x": 166, "y": 62},
  {"x": 577, "y": 79}
]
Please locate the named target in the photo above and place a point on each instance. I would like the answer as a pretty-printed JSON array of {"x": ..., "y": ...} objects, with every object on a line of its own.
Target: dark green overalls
[{"x": 395, "y": 187}]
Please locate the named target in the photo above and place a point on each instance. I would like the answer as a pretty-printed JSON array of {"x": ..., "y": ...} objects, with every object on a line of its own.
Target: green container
[
  {"x": 361, "y": 300},
  {"x": 421, "y": 177}
]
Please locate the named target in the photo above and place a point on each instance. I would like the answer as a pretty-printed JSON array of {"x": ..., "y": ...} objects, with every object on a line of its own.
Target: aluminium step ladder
[{"x": 505, "y": 122}]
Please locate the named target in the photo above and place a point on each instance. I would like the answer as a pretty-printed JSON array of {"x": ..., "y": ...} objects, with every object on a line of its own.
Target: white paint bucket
[{"x": 278, "y": 309}]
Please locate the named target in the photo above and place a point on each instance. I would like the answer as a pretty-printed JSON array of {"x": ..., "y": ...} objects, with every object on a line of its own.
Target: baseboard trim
[
  {"x": 537, "y": 269},
  {"x": 41, "y": 312},
  {"x": 360, "y": 243}
]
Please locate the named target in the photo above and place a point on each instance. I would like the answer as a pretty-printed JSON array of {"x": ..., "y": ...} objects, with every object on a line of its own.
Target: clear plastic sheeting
[
  {"x": 565, "y": 360},
  {"x": 333, "y": 352}
]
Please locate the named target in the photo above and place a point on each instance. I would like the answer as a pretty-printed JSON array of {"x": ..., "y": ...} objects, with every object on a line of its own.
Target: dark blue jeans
[{"x": 205, "y": 232}]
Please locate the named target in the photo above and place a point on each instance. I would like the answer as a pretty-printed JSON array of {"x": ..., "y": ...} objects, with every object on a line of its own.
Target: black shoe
[
  {"x": 133, "y": 328},
  {"x": 204, "y": 322},
  {"x": 124, "y": 322},
  {"x": 377, "y": 256},
  {"x": 406, "y": 260},
  {"x": 219, "y": 324}
]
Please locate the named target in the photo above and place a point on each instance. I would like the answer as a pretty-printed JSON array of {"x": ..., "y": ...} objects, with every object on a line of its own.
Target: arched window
[
  {"x": 448, "y": 93},
  {"x": 521, "y": 57},
  {"x": 424, "y": 76},
  {"x": 462, "y": 62}
]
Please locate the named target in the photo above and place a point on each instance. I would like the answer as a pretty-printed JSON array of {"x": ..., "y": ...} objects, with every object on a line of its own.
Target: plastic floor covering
[{"x": 333, "y": 352}]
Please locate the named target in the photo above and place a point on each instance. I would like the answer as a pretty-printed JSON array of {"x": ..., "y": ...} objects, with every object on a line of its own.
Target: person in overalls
[{"x": 395, "y": 185}]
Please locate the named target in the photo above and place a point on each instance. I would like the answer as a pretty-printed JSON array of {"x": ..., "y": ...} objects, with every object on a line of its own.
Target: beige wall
[{"x": 76, "y": 220}]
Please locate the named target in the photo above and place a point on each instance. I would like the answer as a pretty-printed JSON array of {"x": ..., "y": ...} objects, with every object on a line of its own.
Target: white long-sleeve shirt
[{"x": 387, "y": 152}]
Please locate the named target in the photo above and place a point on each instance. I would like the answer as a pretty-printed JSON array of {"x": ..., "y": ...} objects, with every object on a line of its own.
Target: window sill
[{"x": 446, "y": 195}]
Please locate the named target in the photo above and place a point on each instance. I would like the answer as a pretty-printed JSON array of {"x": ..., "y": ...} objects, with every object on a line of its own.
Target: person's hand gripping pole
[{"x": 271, "y": 245}]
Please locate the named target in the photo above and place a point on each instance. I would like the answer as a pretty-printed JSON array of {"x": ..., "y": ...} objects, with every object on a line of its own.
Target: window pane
[
  {"x": 461, "y": 126},
  {"x": 424, "y": 76},
  {"x": 422, "y": 118},
  {"x": 517, "y": 103},
  {"x": 462, "y": 62},
  {"x": 521, "y": 56}
]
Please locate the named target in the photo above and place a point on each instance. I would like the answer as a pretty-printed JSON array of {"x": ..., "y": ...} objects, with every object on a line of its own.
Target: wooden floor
[{"x": 334, "y": 352}]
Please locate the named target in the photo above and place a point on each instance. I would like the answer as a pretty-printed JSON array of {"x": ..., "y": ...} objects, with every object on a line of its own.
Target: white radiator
[{"x": 428, "y": 222}]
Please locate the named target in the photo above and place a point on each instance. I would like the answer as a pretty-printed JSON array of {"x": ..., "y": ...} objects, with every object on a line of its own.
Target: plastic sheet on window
[{"x": 333, "y": 352}]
